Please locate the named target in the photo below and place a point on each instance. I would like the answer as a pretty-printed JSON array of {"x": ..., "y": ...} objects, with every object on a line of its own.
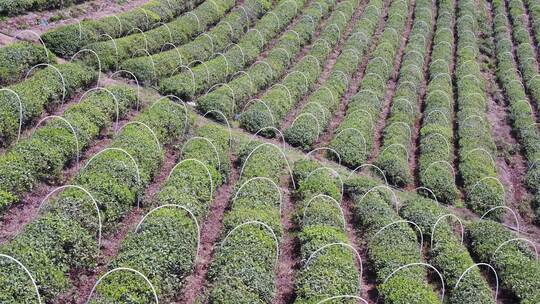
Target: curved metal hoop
[
  {"x": 514, "y": 240},
  {"x": 20, "y": 110},
  {"x": 88, "y": 194},
  {"x": 123, "y": 269},
  {"x": 476, "y": 265},
  {"x": 437, "y": 222},
  {"x": 373, "y": 166},
  {"x": 77, "y": 150},
  {"x": 116, "y": 103},
  {"x": 331, "y": 199},
  {"x": 358, "y": 257},
  {"x": 260, "y": 178},
  {"x": 334, "y": 173},
  {"x": 98, "y": 60},
  {"x": 207, "y": 140},
  {"x": 420, "y": 264},
  {"x": 147, "y": 127},
  {"x": 207, "y": 171},
  {"x": 343, "y": 297},
  {"x": 62, "y": 79},
  {"x": 282, "y": 154},
  {"x": 252, "y": 138},
  {"x": 507, "y": 208},
  {"x": 27, "y": 272},
  {"x": 258, "y": 223},
  {"x": 185, "y": 209},
  {"x": 325, "y": 148}
]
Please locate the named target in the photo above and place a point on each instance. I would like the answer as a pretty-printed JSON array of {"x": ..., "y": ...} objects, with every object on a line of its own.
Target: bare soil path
[{"x": 288, "y": 262}]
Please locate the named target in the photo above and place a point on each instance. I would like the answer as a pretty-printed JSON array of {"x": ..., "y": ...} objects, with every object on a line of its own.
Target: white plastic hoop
[
  {"x": 27, "y": 272},
  {"x": 420, "y": 264},
  {"x": 437, "y": 222},
  {"x": 123, "y": 269}
]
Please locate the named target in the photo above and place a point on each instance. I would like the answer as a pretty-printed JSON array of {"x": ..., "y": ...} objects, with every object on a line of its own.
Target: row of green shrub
[
  {"x": 332, "y": 270},
  {"x": 202, "y": 77},
  {"x": 67, "y": 40},
  {"x": 227, "y": 31},
  {"x": 15, "y": 7},
  {"x": 364, "y": 108},
  {"x": 18, "y": 58},
  {"x": 398, "y": 134},
  {"x": 528, "y": 63},
  {"x": 447, "y": 253},
  {"x": 44, "y": 90},
  {"x": 179, "y": 31},
  {"x": 436, "y": 149},
  {"x": 64, "y": 237},
  {"x": 395, "y": 246},
  {"x": 243, "y": 270},
  {"x": 517, "y": 266},
  {"x": 477, "y": 151},
  {"x": 317, "y": 113},
  {"x": 229, "y": 99},
  {"x": 278, "y": 101},
  {"x": 164, "y": 247},
  {"x": 534, "y": 19},
  {"x": 521, "y": 113},
  {"x": 42, "y": 156}
]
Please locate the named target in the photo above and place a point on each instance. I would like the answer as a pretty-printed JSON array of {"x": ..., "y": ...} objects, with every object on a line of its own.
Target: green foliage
[
  {"x": 243, "y": 270},
  {"x": 476, "y": 145},
  {"x": 67, "y": 40},
  {"x": 353, "y": 138},
  {"x": 177, "y": 32},
  {"x": 279, "y": 100},
  {"x": 448, "y": 255},
  {"x": 16, "y": 7},
  {"x": 64, "y": 237},
  {"x": 325, "y": 100},
  {"x": 227, "y": 31},
  {"x": 18, "y": 58},
  {"x": 332, "y": 270},
  {"x": 516, "y": 265},
  {"x": 394, "y": 247},
  {"x": 202, "y": 77},
  {"x": 41, "y": 91},
  {"x": 43, "y": 155},
  {"x": 397, "y": 134}
]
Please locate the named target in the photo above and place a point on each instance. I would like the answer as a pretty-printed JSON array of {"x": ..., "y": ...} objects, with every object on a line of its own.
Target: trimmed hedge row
[
  {"x": 325, "y": 100},
  {"x": 227, "y": 31},
  {"x": 51, "y": 147},
  {"x": 243, "y": 270},
  {"x": 15, "y": 7},
  {"x": 437, "y": 134},
  {"x": 528, "y": 63},
  {"x": 476, "y": 146},
  {"x": 514, "y": 262},
  {"x": 404, "y": 110},
  {"x": 179, "y": 31},
  {"x": 448, "y": 255},
  {"x": 200, "y": 78},
  {"x": 521, "y": 114},
  {"x": 67, "y": 40},
  {"x": 277, "y": 102},
  {"x": 332, "y": 271},
  {"x": 534, "y": 19},
  {"x": 165, "y": 246},
  {"x": 364, "y": 108},
  {"x": 395, "y": 246},
  {"x": 41, "y": 91},
  {"x": 18, "y": 58},
  {"x": 231, "y": 98},
  {"x": 64, "y": 237}
]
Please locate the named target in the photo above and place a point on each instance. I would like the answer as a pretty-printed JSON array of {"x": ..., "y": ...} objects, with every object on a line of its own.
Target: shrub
[{"x": 41, "y": 91}]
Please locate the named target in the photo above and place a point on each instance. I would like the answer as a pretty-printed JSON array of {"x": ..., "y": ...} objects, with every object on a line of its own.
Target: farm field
[{"x": 270, "y": 151}]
